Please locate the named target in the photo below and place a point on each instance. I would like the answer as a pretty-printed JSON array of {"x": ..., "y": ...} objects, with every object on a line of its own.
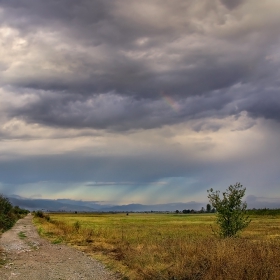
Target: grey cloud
[
  {"x": 113, "y": 112},
  {"x": 119, "y": 113},
  {"x": 265, "y": 104},
  {"x": 231, "y": 4},
  {"x": 137, "y": 50},
  {"x": 118, "y": 21}
]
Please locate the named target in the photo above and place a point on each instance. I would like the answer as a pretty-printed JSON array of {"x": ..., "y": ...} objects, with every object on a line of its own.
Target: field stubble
[{"x": 169, "y": 246}]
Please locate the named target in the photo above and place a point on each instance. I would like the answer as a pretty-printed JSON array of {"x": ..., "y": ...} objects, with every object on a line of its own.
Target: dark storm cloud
[
  {"x": 107, "y": 65},
  {"x": 115, "y": 112},
  {"x": 231, "y": 4},
  {"x": 264, "y": 104},
  {"x": 99, "y": 21}
]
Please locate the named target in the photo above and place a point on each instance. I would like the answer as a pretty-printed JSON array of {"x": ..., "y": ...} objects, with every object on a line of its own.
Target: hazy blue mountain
[
  {"x": 92, "y": 206},
  {"x": 156, "y": 207},
  {"x": 262, "y": 202},
  {"x": 47, "y": 205}
]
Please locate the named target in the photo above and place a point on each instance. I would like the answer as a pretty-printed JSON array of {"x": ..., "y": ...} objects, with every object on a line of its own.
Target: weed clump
[
  {"x": 21, "y": 235},
  {"x": 42, "y": 215},
  {"x": 77, "y": 226},
  {"x": 39, "y": 214}
]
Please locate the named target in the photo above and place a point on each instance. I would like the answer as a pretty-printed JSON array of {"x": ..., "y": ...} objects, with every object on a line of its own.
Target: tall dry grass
[{"x": 170, "y": 248}]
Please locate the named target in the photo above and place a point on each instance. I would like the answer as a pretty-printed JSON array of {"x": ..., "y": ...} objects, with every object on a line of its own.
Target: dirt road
[{"x": 30, "y": 257}]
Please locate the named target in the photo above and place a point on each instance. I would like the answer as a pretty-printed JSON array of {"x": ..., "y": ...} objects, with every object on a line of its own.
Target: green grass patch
[
  {"x": 2, "y": 262},
  {"x": 57, "y": 241},
  {"x": 21, "y": 235}
]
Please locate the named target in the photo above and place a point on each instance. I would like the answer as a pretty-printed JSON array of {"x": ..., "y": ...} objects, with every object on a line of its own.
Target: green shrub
[
  {"x": 39, "y": 214},
  {"x": 7, "y": 217},
  {"x": 9, "y": 214},
  {"x": 231, "y": 211}
]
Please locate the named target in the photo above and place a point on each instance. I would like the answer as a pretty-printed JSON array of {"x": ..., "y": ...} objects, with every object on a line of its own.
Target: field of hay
[{"x": 170, "y": 246}]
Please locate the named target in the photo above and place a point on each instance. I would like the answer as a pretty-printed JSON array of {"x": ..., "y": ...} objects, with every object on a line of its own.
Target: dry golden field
[{"x": 170, "y": 246}]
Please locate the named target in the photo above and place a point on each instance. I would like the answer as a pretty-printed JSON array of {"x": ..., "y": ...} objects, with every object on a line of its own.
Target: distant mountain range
[
  {"x": 91, "y": 206},
  {"x": 69, "y": 205},
  {"x": 262, "y": 202}
]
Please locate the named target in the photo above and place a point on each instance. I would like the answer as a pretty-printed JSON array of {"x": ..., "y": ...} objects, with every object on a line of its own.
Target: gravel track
[{"x": 33, "y": 258}]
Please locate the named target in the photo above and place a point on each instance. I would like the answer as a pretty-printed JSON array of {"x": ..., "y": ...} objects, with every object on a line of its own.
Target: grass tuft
[
  {"x": 57, "y": 241},
  {"x": 3, "y": 259},
  {"x": 21, "y": 235}
]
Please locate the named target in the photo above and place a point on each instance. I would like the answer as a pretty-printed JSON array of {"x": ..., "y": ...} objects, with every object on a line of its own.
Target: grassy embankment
[{"x": 170, "y": 246}]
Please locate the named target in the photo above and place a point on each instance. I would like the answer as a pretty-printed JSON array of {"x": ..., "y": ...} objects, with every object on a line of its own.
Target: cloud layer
[
  {"x": 122, "y": 59},
  {"x": 138, "y": 91}
]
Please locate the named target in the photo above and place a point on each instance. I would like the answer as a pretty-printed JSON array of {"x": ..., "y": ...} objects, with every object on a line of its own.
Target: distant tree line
[
  {"x": 264, "y": 211},
  {"x": 208, "y": 209},
  {"x": 9, "y": 214}
]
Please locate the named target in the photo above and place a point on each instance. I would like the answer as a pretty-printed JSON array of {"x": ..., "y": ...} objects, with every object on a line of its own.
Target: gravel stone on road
[{"x": 30, "y": 257}]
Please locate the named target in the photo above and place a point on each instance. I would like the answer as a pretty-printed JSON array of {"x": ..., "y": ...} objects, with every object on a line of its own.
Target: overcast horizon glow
[{"x": 150, "y": 101}]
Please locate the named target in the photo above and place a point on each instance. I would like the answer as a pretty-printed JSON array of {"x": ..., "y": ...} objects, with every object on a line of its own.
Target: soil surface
[{"x": 28, "y": 256}]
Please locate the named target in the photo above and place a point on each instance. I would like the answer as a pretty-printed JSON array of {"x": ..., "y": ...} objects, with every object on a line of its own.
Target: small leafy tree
[{"x": 231, "y": 211}]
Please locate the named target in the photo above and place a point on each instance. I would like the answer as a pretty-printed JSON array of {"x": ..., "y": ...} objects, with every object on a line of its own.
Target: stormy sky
[{"x": 147, "y": 101}]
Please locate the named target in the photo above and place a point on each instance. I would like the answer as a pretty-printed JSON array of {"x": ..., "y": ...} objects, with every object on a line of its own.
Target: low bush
[
  {"x": 9, "y": 214},
  {"x": 42, "y": 215},
  {"x": 39, "y": 214}
]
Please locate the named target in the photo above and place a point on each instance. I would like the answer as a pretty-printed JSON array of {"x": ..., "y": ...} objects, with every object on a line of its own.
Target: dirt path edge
[{"x": 30, "y": 257}]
